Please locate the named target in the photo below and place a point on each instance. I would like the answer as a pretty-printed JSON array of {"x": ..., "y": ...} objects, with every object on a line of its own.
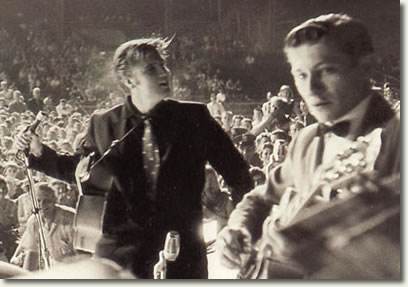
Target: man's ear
[{"x": 130, "y": 83}]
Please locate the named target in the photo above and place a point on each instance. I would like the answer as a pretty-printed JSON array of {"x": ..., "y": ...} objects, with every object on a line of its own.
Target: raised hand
[{"x": 28, "y": 140}]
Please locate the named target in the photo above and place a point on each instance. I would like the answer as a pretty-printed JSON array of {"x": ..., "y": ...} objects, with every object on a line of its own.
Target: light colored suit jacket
[{"x": 300, "y": 166}]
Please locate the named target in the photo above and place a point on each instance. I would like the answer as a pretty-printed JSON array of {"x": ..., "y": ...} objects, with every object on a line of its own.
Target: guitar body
[
  {"x": 88, "y": 222},
  {"x": 90, "y": 210},
  {"x": 344, "y": 227},
  {"x": 354, "y": 238}
]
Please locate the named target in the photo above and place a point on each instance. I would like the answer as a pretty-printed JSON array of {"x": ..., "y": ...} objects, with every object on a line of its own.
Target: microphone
[
  {"x": 38, "y": 119},
  {"x": 172, "y": 246},
  {"x": 169, "y": 253}
]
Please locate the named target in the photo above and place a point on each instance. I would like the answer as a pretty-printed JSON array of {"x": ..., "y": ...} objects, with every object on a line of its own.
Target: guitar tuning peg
[
  {"x": 353, "y": 146},
  {"x": 362, "y": 139},
  {"x": 333, "y": 176},
  {"x": 356, "y": 188},
  {"x": 362, "y": 164},
  {"x": 342, "y": 169}
]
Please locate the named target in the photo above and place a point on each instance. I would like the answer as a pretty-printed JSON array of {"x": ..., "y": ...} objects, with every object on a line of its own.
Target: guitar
[
  {"x": 357, "y": 237},
  {"x": 329, "y": 181},
  {"x": 335, "y": 181},
  {"x": 90, "y": 209},
  {"x": 88, "y": 222}
]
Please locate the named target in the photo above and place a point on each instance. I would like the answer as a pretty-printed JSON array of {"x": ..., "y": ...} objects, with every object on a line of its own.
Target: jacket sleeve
[
  {"x": 225, "y": 158},
  {"x": 251, "y": 211},
  {"x": 55, "y": 165},
  {"x": 62, "y": 166},
  {"x": 256, "y": 205},
  {"x": 388, "y": 163}
]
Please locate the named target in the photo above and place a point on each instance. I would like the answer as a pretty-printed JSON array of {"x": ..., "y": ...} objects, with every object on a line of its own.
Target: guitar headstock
[
  {"x": 345, "y": 175},
  {"x": 345, "y": 171}
]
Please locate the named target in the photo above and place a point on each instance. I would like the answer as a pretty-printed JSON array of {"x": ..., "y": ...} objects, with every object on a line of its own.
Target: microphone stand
[
  {"x": 43, "y": 250},
  {"x": 21, "y": 156},
  {"x": 160, "y": 268}
]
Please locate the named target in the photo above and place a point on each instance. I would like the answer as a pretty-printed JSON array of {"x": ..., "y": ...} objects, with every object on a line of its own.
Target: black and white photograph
[{"x": 200, "y": 139}]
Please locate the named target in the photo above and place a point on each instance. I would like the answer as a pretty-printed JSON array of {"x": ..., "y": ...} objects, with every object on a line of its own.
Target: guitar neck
[
  {"x": 345, "y": 168},
  {"x": 295, "y": 205}
]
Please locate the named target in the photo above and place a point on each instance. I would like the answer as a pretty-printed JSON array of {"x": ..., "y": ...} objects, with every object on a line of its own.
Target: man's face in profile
[{"x": 153, "y": 76}]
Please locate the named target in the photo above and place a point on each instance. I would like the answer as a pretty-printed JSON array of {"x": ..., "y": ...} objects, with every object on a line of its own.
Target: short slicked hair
[
  {"x": 130, "y": 53},
  {"x": 350, "y": 35}
]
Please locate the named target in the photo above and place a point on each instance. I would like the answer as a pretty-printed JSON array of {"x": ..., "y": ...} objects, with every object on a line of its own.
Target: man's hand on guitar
[
  {"x": 273, "y": 244},
  {"x": 234, "y": 246},
  {"x": 27, "y": 139}
]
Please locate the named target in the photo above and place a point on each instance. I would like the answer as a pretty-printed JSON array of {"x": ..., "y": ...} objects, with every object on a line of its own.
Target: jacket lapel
[
  {"x": 378, "y": 113},
  {"x": 165, "y": 128}
]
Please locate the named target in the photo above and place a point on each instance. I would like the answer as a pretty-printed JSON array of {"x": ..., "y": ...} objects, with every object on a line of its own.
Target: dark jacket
[
  {"x": 34, "y": 105},
  {"x": 188, "y": 137}
]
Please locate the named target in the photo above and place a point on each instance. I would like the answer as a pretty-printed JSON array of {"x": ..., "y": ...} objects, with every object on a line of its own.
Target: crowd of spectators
[
  {"x": 61, "y": 130},
  {"x": 263, "y": 138},
  {"x": 70, "y": 82},
  {"x": 77, "y": 69},
  {"x": 65, "y": 125}
]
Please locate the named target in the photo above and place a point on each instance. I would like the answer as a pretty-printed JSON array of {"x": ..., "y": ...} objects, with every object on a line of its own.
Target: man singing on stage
[{"x": 154, "y": 176}]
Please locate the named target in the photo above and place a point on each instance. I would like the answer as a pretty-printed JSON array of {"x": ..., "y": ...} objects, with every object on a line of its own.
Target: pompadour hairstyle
[
  {"x": 130, "y": 53},
  {"x": 350, "y": 35}
]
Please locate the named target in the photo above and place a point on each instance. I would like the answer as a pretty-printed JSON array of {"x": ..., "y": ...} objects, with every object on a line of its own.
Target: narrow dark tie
[{"x": 151, "y": 157}]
